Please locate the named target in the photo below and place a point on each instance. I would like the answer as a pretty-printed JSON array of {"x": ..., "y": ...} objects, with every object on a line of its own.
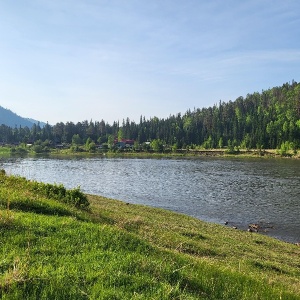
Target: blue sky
[{"x": 75, "y": 60}]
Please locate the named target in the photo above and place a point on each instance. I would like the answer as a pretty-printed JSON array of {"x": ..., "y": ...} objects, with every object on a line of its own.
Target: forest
[{"x": 266, "y": 120}]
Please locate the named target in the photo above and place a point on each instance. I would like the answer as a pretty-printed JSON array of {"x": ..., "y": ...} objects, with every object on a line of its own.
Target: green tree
[
  {"x": 120, "y": 134},
  {"x": 208, "y": 144},
  {"x": 246, "y": 142},
  {"x": 221, "y": 143},
  {"x": 76, "y": 140},
  {"x": 230, "y": 147},
  {"x": 90, "y": 145},
  {"x": 284, "y": 148},
  {"x": 157, "y": 145},
  {"x": 110, "y": 141}
]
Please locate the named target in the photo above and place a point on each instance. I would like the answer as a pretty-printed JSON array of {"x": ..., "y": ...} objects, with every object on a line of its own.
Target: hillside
[
  {"x": 11, "y": 119},
  {"x": 55, "y": 247},
  {"x": 266, "y": 120}
]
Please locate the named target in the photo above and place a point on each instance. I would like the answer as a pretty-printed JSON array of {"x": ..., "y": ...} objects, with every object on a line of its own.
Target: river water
[{"x": 219, "y": 190}]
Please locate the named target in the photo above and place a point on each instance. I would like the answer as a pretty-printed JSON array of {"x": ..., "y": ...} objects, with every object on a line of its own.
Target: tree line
[{"x": 269, "y": 119}]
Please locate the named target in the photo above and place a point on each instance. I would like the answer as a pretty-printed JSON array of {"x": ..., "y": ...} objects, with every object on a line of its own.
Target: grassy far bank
[
  {"x": 59, "y": 244},
  {"x": 23, "y": 149}
]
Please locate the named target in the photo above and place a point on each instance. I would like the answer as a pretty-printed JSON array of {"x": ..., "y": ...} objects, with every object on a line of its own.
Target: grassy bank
[
  {"x": 265, "y": 153},
  {"x": 5, "y": 151},
  {"x": 24, "y": 150},
  {"x": 59, "y": 244}
]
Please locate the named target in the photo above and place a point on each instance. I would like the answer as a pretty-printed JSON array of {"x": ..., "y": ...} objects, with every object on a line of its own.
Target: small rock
[{"x": 254, "y": 227}]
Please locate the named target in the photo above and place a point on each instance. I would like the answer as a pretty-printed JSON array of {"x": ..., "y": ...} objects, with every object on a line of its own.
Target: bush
[
  {"x": 58, "y": 192},
  {"x": 38, "y": 148},
  {"x": 77, "y": 198},
  {"x": 285, "y": 147},
  {"x": 55, "y": 191}
]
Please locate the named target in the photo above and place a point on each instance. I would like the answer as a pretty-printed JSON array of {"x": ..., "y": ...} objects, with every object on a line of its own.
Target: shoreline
[
  {"x": 181, "y": 153},
  {"x": 240, "y": 224},
  {"x": 114, "y": 248},
  {"x": 260, "y": 228}
]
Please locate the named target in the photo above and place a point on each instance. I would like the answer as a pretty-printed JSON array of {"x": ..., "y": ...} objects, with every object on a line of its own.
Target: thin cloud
[{"x": 123, "y": 58}]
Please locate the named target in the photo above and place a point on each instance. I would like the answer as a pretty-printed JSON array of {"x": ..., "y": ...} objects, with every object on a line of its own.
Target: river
[{"x": 219, "y": 190}]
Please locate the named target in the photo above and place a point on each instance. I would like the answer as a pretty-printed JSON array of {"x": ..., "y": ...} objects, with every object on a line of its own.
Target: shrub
[
  {"x": 58, "y": 192},
  {"x": 77, "y": 198},
  {"x": 286, "y": 147},
  {"x": 55, "y": 191},
  {"x": 38, "y": 148}
]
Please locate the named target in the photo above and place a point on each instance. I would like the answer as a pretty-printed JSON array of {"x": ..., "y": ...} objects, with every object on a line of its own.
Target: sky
[{"x": 76, "y": 60}]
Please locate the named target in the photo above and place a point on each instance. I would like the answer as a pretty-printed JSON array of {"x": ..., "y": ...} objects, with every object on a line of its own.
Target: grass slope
[{"x": 56, "y": 248}]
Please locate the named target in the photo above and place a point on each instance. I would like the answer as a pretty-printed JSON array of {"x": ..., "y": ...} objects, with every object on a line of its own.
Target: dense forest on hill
[{"x": 268, "y": 119}]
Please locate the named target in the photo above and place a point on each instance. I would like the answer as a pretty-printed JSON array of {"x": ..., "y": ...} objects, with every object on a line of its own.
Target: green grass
[
  {"x": 5, "y": 150},
  {"x": 52, "y": 249}
]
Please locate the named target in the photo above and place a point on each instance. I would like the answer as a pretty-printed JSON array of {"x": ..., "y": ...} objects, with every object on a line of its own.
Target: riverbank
[
  {"x": 81, "y": 152},
  {"x": 116, "y": 250},
  {"x": 265, "y": 153},
  {"x": 240, "y": 191}
]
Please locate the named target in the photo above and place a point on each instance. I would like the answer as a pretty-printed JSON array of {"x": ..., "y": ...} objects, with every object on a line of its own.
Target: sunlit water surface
[{"x": 240, "y": 191}]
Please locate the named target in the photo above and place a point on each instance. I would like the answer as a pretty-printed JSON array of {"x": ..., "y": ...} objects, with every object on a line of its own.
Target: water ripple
[{"x": 217, "y": 190}]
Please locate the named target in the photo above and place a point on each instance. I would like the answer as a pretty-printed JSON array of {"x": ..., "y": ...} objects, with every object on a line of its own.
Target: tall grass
[{"x": 53, "y": 249}]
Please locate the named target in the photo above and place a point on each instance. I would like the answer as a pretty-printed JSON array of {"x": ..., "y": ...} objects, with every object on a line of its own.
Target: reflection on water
[{"x": 217, "y": 190}]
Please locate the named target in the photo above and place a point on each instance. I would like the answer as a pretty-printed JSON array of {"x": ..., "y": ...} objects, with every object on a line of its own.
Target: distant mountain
[
  {"x": 42, "y": 124},
  {"x": 11, "y": 119}
]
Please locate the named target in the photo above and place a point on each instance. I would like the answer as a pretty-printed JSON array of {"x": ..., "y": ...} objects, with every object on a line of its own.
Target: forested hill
[
  {"x": 11, "y": 119},
  {"x": 259, "y": 120}
]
